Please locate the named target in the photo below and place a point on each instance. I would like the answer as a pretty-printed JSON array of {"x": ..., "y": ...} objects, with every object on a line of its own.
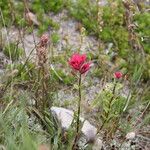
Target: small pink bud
[{"x": 118, "y": 75}]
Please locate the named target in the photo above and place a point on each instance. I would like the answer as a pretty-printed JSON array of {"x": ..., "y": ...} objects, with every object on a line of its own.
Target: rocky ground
[{"x": 70, "y": 36}]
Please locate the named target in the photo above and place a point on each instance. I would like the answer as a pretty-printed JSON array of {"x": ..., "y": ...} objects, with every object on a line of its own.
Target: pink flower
[
  {"x": 118, "y": 75},
  {"x": 78, "y": 62},
  {"x": 85, "y": 68}
]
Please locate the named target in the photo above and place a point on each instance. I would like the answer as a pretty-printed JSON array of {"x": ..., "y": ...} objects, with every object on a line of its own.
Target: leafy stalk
[{"x": 78, "y": 114}]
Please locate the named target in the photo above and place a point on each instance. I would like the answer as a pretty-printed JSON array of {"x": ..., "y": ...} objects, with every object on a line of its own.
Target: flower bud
[
  {"x": 44, "y": 40},
  {"x": 118, "y": 75}
]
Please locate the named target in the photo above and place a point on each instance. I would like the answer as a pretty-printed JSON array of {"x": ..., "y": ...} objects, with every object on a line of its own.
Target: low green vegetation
[
  {"x": 142, "y": 21},
  {"x": 30, "y": 85},
  {"x": 13, "y": 52}
]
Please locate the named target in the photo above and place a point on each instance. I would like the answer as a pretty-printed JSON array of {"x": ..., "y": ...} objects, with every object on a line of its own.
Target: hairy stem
[{"x": 78, "y": 114}]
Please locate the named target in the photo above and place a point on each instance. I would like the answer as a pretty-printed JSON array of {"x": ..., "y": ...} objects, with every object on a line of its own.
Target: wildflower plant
[
  {"x": 79, "y": 66},
  {"x": 43, "y": 74},
  {"x": 111, "y": 103},
  {"x": 118, "y": 75}
]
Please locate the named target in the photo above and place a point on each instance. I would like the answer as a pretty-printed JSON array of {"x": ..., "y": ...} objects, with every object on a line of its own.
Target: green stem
[
  {"x": 79, "y": 106},
  {"x": 78, "y": 115}
]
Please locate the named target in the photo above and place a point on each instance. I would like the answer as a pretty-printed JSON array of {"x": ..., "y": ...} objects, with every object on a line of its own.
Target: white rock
[
  {"x": 89, "y": 131},
  {"x": 64, "y": 116},
  {"x": 31, "y": 18},
  {"x": 98, "y": 144},
  {"x": 130, "y": 136}
]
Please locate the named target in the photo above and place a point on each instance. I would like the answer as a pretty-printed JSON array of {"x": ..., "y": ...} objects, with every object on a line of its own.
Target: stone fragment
[
  {"x": 130, "y": 136},
  {"x": 98, "y": 144},
  {"x": 64, "y": 116},
  {"x": 89, "y": 131},
  {"x": 31, "y": 18}
]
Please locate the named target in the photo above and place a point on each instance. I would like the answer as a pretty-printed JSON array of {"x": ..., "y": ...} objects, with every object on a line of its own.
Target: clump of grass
[{"x": 13, "y": 52}]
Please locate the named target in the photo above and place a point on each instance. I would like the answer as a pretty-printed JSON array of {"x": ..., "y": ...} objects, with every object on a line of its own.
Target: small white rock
[
  {"x": 31, "y": 18},
  {"x": 64, "y": 116},
  {"x": 130, "y": 136},
  {"x": 98, "y": 144},
  {"x": 89, "y": 131}
]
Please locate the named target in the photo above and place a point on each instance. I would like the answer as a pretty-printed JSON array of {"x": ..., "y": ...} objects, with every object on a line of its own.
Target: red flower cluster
[
  {"x": 78, "y": 62},
  {"x": 118, "y": 75}
]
